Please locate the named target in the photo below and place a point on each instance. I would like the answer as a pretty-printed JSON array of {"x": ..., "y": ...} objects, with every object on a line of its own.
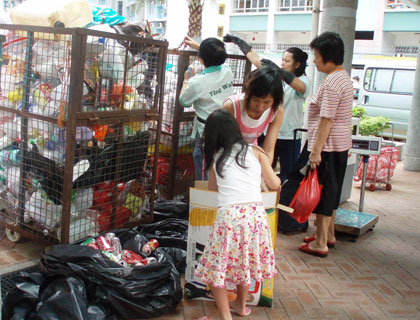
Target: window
[
  {"x": 222, "y": 9},
  {"x": 382, "y": 80},
  {"x": 403, "y": 82},
  {"x": 295, "y": 5},
  {"x": 120, "y": 8},
  {"x": 245, "y": 6},
  {"x": 364, "y": 35},
  {"x": 397, "y": 81},
  {"x": 396, "y": 5},
  {"x": 220, "y": 31}
]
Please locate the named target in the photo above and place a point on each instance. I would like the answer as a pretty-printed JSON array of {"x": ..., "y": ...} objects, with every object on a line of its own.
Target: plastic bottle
[
  {"x": 8, "y": 202},
  {"x": 47, "y": 13},
  {"x": 9, "y": 157}
]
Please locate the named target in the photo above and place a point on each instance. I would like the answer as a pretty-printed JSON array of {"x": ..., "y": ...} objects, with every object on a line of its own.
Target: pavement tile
[
  {"x": 377, "y": 297},
  {"x": 395, "y": 282},
  {"x": 192, "y": 309},
  {"x": 356, "y": 314},
  {"x": 318, "y": 290},
  {"x": 402, "y": 311},
  {"x": 376, "y": 278},
  {"x": 15, "y": 256},
  {"x": 307, "y": 299},
  {"x": 386, "y": 289},
  {"x": 6, "y": 244},
  {"x": 285, "y": 268},
  {"x": 370, "y": 308},
  {"x": 5, "y": 260},
  {"x": 294, "y": 308},
  {"x": 277, "y": 314},
  {"x": 329, "y": 312}
]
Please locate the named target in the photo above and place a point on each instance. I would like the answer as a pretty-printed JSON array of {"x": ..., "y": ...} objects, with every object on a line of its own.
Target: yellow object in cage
[
  {"x": 164, "y": 149},
  {"x": 15, "y": 96},
  {"x": 133, "y": 203}
]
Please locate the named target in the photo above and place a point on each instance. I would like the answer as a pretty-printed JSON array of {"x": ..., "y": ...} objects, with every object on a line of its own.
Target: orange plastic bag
[{"x": 306, "y": 198}]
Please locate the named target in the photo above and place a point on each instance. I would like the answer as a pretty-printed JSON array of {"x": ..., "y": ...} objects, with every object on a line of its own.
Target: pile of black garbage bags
[{"x": 79, "y": 282}]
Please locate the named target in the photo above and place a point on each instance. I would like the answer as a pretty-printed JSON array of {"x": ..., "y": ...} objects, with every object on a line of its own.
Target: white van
[{"x": 386, "y": 89}]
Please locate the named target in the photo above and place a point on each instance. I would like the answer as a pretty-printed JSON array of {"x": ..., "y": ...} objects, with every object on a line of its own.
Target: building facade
[{"x": 382, "y": 26}]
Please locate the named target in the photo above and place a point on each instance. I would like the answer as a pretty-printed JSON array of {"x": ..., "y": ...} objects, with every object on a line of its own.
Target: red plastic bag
[{"x": 306, "y": 198}]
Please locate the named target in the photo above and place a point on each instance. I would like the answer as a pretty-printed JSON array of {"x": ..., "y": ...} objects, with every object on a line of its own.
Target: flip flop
[
  {"x": 246, "y": 314},
  {"x": 304, "y": 247},
  {"x": 312, "y": 238}
]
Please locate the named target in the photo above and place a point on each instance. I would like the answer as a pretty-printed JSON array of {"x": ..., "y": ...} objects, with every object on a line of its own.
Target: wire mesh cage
[
  {"x": 77, "y": 110},
  {"x": 175, "y": 167}
]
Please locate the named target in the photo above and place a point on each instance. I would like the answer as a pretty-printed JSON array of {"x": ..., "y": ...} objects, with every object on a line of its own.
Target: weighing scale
[{"x": 351, "y": 222}]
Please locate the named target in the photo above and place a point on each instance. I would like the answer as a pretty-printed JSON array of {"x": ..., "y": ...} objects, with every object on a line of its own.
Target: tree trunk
[{"x": 195, "y": 20}]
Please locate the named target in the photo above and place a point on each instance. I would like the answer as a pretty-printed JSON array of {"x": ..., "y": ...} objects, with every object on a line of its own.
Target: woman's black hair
[
  {"x": 222, "y": 132},
  {"x": 301, "y": 57},
  {"x": 213, "y": 52},
  {"x": 330, "y": 46},
  {"x": 262, "y": 82}
]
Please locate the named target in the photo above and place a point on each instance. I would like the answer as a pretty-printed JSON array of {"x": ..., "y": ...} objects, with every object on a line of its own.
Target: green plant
[
  {"x": 359, "y": 112},
  {"x": 373, "y": 126}
]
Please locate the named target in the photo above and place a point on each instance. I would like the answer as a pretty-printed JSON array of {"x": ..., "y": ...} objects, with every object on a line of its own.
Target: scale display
[{"x": 366, "y": 145}]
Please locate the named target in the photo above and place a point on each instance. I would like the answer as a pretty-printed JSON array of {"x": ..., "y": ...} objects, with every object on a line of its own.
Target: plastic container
[{"x": 47, "y": 13}]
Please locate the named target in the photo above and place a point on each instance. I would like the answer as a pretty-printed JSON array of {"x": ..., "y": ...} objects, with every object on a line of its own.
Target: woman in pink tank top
[{"x": 259, "y": 107}]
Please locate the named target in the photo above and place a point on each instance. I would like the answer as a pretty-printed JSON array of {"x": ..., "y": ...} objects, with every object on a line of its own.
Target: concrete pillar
[
  {"x": 270, "y": 41},
  {"x": 340, "y": 16},
  {"x": 412, "y": 147}
]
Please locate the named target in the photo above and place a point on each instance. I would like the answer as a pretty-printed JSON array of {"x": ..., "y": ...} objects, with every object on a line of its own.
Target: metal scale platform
[{"x": 352, "y": 222}]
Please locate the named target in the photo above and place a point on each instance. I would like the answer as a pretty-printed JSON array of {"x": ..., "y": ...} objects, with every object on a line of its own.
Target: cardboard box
[{"x": 203, "y": 210}]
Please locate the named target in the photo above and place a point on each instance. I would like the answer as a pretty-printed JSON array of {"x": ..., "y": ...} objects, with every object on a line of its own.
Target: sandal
[
  {"x": 304, "y": 247},
  {"x": 312, "y": 238},
  {"x": 247, "y": 312}
]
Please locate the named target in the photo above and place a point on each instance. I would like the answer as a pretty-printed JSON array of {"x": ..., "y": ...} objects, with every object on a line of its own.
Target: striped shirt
[{"x": 333, "y": 100}]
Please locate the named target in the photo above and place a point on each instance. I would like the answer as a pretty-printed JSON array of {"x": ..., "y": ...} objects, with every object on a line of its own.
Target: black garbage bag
[
  {"x": 66, "y": 297},
  {"x": 138, "y": 292},
  {"x": 179, "y": 257},
  {"x": 172, "y": 232},
  {"x": 131, "y": 240},
  {"x": 286, "y": 223},
  {"x": 165, "y": 209},
  {"x": 20, "y": 301}
]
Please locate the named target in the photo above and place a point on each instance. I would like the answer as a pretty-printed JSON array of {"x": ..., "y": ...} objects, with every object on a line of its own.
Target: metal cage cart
[
  {"x": 77, "y": 153},
  {"x": 380, "y": 168},
  {"x": 175, "y": 167}
]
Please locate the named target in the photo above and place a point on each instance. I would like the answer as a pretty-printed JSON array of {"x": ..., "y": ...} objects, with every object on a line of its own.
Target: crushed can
[
  {"x": 103, "y": 244},
  {"x": 116, "y": 246}
]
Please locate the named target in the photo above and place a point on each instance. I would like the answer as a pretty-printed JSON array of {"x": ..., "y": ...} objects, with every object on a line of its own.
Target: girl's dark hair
[
  {"x": 330, "y": 46},
  {"x": 301, "y": 57},
  {"x": 262, "y": 82},
  {"x": 222, "y": 131}
]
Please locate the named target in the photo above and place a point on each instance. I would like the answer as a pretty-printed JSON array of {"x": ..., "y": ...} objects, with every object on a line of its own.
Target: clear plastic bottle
[{"x": 8, "y": 201}]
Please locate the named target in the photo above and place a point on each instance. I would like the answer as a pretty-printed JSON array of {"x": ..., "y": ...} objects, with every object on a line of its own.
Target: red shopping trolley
[{"x": 380, "y": 168}]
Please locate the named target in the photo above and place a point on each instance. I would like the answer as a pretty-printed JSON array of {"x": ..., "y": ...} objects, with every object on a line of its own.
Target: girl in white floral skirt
[{"x": 240, "y": 246}]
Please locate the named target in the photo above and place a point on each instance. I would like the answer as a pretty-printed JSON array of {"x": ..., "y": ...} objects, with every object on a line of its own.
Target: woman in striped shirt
[{"x": 329, "y": 129}]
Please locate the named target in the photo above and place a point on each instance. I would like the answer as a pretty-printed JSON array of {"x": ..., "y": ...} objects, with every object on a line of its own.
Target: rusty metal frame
[
  {"x": 181, "y": 116},
  {"x": 75, "y": 117}
]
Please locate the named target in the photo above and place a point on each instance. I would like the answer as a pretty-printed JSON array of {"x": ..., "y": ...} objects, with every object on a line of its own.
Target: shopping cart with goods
[{"x": 380, "y": 168}]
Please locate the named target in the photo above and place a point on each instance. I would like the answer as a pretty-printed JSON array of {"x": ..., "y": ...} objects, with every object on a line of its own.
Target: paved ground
[{"x": 378, "y": 277}]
